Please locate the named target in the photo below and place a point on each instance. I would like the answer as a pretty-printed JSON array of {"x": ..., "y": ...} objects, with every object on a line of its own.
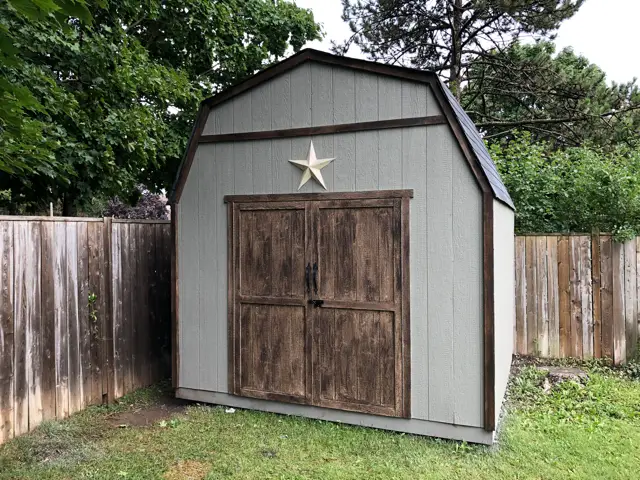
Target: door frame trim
[
  {"x": 234, "y": 203},
  {"x": 304, "y": 197}
]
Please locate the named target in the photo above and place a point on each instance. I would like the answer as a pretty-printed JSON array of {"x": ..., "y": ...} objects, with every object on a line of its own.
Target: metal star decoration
[{"x": 311, "y": 167}]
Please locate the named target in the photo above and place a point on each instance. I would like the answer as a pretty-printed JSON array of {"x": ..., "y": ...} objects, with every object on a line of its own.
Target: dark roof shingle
[{"x": 479, "y": 149}]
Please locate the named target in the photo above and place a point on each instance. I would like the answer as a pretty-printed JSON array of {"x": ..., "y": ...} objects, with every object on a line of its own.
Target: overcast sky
[{"x": 605, "y": 31}]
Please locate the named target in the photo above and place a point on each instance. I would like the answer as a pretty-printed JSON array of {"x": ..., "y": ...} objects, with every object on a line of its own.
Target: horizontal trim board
[
  {"x": 326, "y": 129},
  {"x": 283, "y": 197},
  {"x": 141, "y": 220},
  {"x": 282, "y": 301},
  {"x": 408, "y": 425}
]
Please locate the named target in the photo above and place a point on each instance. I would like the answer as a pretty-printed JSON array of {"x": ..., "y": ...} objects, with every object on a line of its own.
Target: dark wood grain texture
[
  {"x": 325, "y": 129},
  {"x": 489, "y": 313},
  {"x": 353, "y": 352}
]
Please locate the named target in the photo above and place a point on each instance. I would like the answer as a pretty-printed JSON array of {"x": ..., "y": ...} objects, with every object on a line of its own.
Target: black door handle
[
  {"x": 315, "y": 279},
  {"x": 307, "y": 277}
]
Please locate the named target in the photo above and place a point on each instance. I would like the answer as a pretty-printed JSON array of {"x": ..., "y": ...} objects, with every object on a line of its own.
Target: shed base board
[{"x": 406, "y": 425}]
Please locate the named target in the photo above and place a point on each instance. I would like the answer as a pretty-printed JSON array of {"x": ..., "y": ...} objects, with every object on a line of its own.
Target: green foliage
[
  {"x": 577, "y": 189},
  {"x": 106, "y": 105},
  {"x": 561, "y": 98}
]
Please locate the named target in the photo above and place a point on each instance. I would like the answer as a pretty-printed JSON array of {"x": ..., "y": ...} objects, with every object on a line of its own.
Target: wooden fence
[
  {"x": 577, "y": 296},
  {"x": 84, "y": 314}
]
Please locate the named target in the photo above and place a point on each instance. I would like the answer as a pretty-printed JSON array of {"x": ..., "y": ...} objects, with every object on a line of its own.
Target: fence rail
[
  {"x": 84, "y": 314},
  {"x": 577, "y": 296}
]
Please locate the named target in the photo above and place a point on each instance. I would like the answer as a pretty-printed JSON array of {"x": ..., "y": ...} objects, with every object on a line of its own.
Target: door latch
[{"x": 316, "y": 302}]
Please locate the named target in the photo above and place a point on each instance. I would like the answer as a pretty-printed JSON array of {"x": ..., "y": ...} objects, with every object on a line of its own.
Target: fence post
[{"x": 107, "y": 337}]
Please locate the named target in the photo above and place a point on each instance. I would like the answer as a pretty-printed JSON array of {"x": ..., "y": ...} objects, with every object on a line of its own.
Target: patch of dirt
[
  {"x": 149, "y": 415},
  {"x": 187, "y": 470}
]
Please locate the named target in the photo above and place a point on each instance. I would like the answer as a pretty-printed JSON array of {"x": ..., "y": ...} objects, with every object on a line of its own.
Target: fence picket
[{"x": 56, "y": 349}]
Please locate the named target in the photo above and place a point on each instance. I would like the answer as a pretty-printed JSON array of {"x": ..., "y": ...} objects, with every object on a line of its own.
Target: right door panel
[{"x": 357, "y": 341}]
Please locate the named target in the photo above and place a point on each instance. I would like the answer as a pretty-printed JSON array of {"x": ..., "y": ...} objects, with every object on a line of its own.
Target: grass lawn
[{"x": 589, "y": 431}]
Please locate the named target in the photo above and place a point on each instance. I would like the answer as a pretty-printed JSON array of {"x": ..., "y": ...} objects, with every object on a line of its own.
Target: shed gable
[{"x": 308, "y": 96}]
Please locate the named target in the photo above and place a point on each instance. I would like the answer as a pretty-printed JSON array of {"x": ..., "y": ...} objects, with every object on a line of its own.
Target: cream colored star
[{"x": 312, "y": 166}]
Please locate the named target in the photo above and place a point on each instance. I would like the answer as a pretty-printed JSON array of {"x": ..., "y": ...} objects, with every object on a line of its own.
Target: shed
[{"x": 344, "y": 250}]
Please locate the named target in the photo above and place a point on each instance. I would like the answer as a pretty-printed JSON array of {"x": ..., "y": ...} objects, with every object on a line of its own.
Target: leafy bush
[
  {"x": 147, "y": 206},
  {"x": 572, "y": 190}
]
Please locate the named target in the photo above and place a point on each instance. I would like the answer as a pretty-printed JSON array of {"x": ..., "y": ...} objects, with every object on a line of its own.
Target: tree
[
  {"x": 118, "y": 96},
  {"x": 563, "y": 98},
  {"x": 447, "y": 35},
  {"x": 575, "y": 189},
  {"x": 23, "y": 147}
]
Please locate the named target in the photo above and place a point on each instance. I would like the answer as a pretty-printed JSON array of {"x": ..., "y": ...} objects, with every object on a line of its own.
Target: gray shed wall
[
  {"x": 446, "y": 221},
  {"x": 504, "y": 297}
]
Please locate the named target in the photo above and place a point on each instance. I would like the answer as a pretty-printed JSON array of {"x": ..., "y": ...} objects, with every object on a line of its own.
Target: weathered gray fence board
[
  {"x": 577, "y": 296},
  {"x": 82, "y": 303}
]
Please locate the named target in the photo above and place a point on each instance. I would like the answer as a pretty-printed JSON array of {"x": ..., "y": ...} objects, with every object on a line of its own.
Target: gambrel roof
[{"x": 465, "y": 131}]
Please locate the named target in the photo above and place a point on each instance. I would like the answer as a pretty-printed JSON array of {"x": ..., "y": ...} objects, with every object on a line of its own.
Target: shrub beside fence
[
  {"x": 84, "y": 314},
  {"x": 577, "y": 296}
]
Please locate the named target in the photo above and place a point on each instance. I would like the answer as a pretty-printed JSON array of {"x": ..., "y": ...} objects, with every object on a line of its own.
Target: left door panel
[{"x": 271, "y": 350}]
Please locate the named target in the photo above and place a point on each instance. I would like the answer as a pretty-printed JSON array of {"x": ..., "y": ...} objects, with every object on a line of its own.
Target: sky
[{"x": 604, "y": 31}]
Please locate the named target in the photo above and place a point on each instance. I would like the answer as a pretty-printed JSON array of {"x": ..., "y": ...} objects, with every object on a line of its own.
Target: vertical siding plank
[
  {"x": 389, "y": 98},
  {"x": 34, "y": 322},
  {"x": 466, "y": 252},
  {"x": 542, "y": 297},
  {"x": 390, "y": 154},
  {"x": 597, "y": 295},
  {"x": 532, "y": 303},
  {"x": 440, "y": 256},
  {"x": 21, "y": 356},
  {"x": 223, "y": 117},
  {"x": 606, "y": 296},
  {"x": 6, "y": 332},
  {"x": 322, "y": 113},
  {"x": 224, "y": 183},
  {"x": 281, "y": 101},
  {"x": 564, "y": 294},
  {"x": 630, "y": 286},
  {"x": 281, "y": 117},
  {"x": 47, "y": 282},
  {"x": 321, "y": 94},
  {"x": 553, "y": 296},
  {"x": 61, "y": 320},
  {"x": 73, "y": 321},
  {"x": 281, "y": 169},
  {"x": 521, "y": 297},
  {"x": 301, "y": 96},
  {"x": 83, "y": 312},
  {"x": 414, "y": 175},
  {"x": 344, "y": 145},
  {"x": 576, "y": 297},
  {"x": 242, "y": 163},
  {"x": 618, "y": 320},
  {"x": 261, "y": 107},
  {"x": 208, "y": 272},
  {"x": 366, "y": 97},
  {"x": 241, "y": 117},
  {"x": 587, "y": 297},
  {"x": 367, "y": 148}
]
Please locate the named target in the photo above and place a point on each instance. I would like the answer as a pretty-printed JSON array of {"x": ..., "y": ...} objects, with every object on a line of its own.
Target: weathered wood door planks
[{"x": 345, "y": 351}]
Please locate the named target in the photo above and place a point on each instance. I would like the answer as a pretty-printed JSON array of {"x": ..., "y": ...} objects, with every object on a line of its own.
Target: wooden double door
[{"x": 318, "y": 306}]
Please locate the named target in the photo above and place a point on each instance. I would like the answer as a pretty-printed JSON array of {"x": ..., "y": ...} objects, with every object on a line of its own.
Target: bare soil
[{"x": 146, "y": 416}]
